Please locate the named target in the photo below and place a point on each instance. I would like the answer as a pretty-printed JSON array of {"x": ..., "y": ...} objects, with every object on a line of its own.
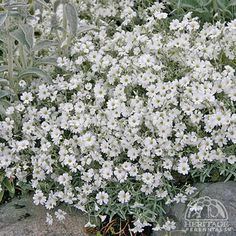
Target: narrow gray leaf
[
  {"x": 222, "y": 4},
  {"x": 2, "y": 112},
  {"x": 86, "y": 28},
  {"x": 72, "y": 18},
  {"x": 4, "y": 93},
  {"x": 33, "y": 71},
  {"x": 44, "y": 44},
  {"x": 29, "y": 34},
  {"x": 5, "y": 81},
  {"x": 3, "y": 17},
  {"x": 19, "y": 35},
  {"x": 41, "y": 3},
  {"x": 2, "y": 37},
  {"x": 56, "y": 4},
  {"x": 3, "y": 68},
  {"x": 4, "y": 104},
  {"x": 48, "y": 61}
]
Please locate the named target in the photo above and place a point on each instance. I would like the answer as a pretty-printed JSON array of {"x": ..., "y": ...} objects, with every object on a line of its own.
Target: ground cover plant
[
  {"x": 114, "y": 108},
  {"x": 206, "y": 10}
]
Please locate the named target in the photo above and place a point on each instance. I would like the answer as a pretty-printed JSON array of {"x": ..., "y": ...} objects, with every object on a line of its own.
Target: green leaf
[
  {"x": 205, "y": 3},
  {"x": 54, "y": 22},
  {"x": 47, "y": 60},
  {"x": 189, "y": 4},
  {"x": 19, "y": 35},
  {"x": 202, "y": 11},
  {"x": 44, "y": 44},
  {"x": 5, "y": 81},
  {"x": 1, "y": 195},
  {"x": 3, "y": 68},
  {"x": 2, "y": 110},
  {"x": 41, "y": 2},
  {"x": 1, "y": 177},
  {"x": 36, "y": 72},
  {"x": 2, "y": 37},
  {"x": 98, "y": 233},
  {"x": 29, "y": 34},
  {"x": 25, "y": 187},
  {"x": 86, "y": 28},
  {"x": 9, "y": 185},
  {"x": 228, "y": 177},
  {"x": 56, "y": 5},
  {"x": 4, "y": 104},
  {"x": 232, "y": 3},
  {"x": 222, "y": 4},
  {"x": 230, "y": 14},
  {"x": 3, "y": 17},
  {"x": 72, "y": 18},
  {"x": 4, "y": 93}
]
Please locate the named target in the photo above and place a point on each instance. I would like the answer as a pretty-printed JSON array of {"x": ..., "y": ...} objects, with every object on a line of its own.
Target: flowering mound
[{"x": 130, "y": 110}]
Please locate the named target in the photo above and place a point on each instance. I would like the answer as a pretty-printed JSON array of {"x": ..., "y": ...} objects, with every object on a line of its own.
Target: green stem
[
  {"x": 215, "y": 8},
  {"x": 65, "y": 30},
  {"x": 59, "y": 50},
  {"x": 23, "y": 57},
  {"x": 10, "y": 56},
  {"x": 64, "y": 23}
]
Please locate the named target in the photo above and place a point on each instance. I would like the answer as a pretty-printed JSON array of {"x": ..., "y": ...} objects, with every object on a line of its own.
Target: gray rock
[
  {"x": 221, "y": 201},
  {"x": 21, "y": 217}
]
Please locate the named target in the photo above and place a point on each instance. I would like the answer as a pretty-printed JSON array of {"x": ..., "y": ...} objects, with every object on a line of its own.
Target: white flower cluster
[{"x": 133, "y": 107}]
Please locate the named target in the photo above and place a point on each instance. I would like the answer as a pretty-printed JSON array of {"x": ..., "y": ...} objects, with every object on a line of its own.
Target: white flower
[
  {"x": 21, "y": 145},
  {"x": 22, "y": 83},
  {"x": 60, "y": 215},
  {"x": 139, "y": 226},
  {"x": 183, "y": 168},
  {"x": 121, "y": 174},
  {"x": 148, "y": 178},
  {"x": 157, "y": 228},
  {"x": 26, "y": 97},
  {"x": 106, "y": 173},
  {"x": 169, "y": 225},
  {"x": 89, "y": 225},
  {"x": 64, "y": 179},
  {"x": 49, "y": 219},
  {"x": 102, "y": 217},
  {"x": 195, "y": 208},
  {"x": 10, "y": 111},
  {"x": 99, "y": 91},
  {"x": 102, "y": 198},
  {"x": 150, "y": 143},
  {"x": 174, "y": 25},
  {"x": 88, "y": 140},
  {"x": 43, "y": 92},
  {"x": 161, "y": 15},
  {"x": 190, "y": 190},
  {"x": 39, "y": 197},
  {"x": 20, "y": 107},
  {"x": 180, "y": 198},
  {"x": 123, "y": 196},
  {"x": 231, "y": 159}
]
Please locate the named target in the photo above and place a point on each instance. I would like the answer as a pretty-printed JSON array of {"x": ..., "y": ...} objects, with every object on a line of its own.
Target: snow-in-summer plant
[
  {"x": 131, "y": 109},
  {"x": 26, "y": 34}
]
